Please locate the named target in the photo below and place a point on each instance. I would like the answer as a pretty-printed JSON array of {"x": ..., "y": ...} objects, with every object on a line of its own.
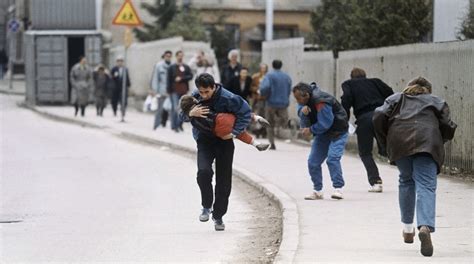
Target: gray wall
[{"x": 449, "y": 66}]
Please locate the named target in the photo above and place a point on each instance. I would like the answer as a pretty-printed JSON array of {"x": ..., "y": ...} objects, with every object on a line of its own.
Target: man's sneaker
[
  {"x": 408, "y": 237},
  {"x": 314, "y": 196},
  {"x": 425, "y": 238},
  {"x": 262, "y": 121},
  {"x": 204, "y": 216},
  {"x": 262, "y": 146},
  {"x": 337, "y": 194},
  {"x": 376, "y": 188},
  {"x": 218, "y": 224},
  {"x": 272, "y": 147}
]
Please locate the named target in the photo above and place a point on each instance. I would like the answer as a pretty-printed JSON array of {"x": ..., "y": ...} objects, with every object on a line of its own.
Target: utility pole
[{"x": 269, "y": 20}]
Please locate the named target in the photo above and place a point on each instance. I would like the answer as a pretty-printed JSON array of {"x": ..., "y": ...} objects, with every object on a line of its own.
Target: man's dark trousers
[
  {"x": 365, "y": 143},
  {"x": 210, "y": 148}
]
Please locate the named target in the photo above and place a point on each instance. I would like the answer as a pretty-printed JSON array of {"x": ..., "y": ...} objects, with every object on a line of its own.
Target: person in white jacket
[{"x": 158, "y": 84}]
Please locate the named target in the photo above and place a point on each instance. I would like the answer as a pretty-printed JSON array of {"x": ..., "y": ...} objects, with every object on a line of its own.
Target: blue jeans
[
  {"x": 176, "y": 121},
  {"x": 417, "y": 182},
  {"x": 159, "y": 112},
  {"x": 324, "y": 147}
]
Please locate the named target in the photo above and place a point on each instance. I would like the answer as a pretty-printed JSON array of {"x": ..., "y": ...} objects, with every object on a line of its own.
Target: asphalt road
[{"x": 73, "y": 194}]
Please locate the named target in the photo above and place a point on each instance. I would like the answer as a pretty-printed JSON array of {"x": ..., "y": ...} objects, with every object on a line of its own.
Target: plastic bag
[{"x": 167, "y": 104}]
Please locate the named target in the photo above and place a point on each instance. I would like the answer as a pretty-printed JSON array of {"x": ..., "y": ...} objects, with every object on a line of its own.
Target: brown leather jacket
[{"x": 411, "y": 124}]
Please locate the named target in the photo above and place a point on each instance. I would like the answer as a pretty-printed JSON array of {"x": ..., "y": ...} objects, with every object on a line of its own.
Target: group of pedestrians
[
  {"x": 267, "y": 93},
  {"x": 99, "y": 85},
  {"x": 410, "y": 128}
]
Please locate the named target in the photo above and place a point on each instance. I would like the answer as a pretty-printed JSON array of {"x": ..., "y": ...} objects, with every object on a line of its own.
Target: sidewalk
[
  {"x": 364, "y": 227},
  {"x": 18, "y": 87}
]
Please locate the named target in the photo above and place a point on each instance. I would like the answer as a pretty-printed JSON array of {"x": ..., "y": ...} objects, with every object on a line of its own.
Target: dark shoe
[
  {"x": 408, "y": 237},
  {"x": 272, "y": 146},
  {"x": 425, "y": 238},
  {"x": 204, "y": 216},
  {"x": 262, "y": 147},
  {"x": 218, "y": 224}
]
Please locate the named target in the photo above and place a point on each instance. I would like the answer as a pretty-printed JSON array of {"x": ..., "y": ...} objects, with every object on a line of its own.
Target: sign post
[{"x": 126, "y": 16}]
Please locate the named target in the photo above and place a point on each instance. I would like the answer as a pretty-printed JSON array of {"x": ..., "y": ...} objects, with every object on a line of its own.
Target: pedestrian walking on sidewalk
[
  {"x": 257, "y": 102},
  {"x": 276, "y": 88},
  {"x": 118, "y": 72},
  {"x": 323, "y": 117},
  {"x": 102, "y": 83},
  {"x": 364, "y": 95},
  {"x": 210, "y": 147},
  {"x": 241, "y": 86},
  {"x": 221, "y": 124},
  {"x": 81, "y": 83},
  {"x": 179, "y": 74},
  {"x": 414, "y": 125},
  {"x": 3, "y": 63},
  {"x": 159, "y": 85},
  {"x": 231, "y": 71}
]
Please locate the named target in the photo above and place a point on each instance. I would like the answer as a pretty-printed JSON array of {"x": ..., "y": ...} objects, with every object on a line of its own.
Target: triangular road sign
[{"x": 127, "y": 15}]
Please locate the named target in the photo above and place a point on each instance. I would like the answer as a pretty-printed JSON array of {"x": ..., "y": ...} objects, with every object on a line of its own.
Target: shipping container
[
  {"x": 49, "y": 57},
  {"x": 63, "y": 14}
]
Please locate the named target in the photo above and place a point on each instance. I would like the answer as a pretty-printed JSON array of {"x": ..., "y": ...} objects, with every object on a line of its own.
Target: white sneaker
[
  {"x": 337, "y": 194},
  {"x": 262, "y": 121},
  {"x": 376, "y": 188},
  {"x": 314, "y": 196}
]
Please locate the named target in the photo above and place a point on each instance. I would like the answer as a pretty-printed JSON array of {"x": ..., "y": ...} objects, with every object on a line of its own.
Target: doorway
[{"x": 75, "y": 49}]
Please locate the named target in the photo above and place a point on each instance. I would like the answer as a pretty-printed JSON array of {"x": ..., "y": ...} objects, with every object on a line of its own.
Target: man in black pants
[
  {"x": 364, "y": 95},
  {"x": 117, "y": 72},
  {"x": 214, "y": 97}
]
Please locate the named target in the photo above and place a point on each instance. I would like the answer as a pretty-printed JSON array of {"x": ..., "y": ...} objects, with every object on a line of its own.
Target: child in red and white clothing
[{"x": 221, "y": 124}]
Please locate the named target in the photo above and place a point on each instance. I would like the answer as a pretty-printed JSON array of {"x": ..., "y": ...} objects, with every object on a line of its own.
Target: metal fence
[{"x": 449, "y": 66}]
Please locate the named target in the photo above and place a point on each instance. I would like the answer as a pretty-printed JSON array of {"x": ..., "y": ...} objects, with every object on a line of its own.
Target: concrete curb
[
  {"x": 60, "y": 118},
  {"x": 288, "y": 208},
  {"x": 2, "y": 91}
]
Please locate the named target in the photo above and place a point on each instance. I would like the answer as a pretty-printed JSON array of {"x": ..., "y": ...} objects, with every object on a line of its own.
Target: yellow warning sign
[{"x": 127, "y": 16}]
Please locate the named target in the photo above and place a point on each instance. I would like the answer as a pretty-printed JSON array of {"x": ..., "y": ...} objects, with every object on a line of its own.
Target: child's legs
[
  {"x": 224, "y": 124},
  {"x": 245, "y": 137}
]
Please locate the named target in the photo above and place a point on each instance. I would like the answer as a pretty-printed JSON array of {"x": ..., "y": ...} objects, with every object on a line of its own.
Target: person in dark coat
[
  {"x": 231, "y": 71},
  {"x": 179, "y": 75},
  {"x": 414, "y": 125},
  {"x": 117, "y": 73},
  {"x": 3, "y": 63},
  {"x": 364, "y": 95},
  {"x": 102, "y": 82},
  {"x": 241, "y": 86}
]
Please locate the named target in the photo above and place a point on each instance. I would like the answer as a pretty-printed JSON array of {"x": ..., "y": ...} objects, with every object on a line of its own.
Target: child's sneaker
[
  {"x": 337, "y": 194},
  {"x": 262, "y": 146},
  {"x": 314, "y": 196},
  {"x": 262, "y": 121}
]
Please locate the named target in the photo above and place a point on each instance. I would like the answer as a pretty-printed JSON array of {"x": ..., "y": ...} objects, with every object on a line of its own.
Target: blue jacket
[
  {"x": 223, "y": 101},
  {"x": 276, "y": 87},
  {"x": 325, "y": 120}
]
